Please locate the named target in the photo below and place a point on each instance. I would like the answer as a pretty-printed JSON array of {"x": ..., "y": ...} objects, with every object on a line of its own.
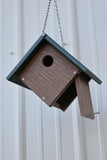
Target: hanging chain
[
  {"x": 46, "y": 17},
  {"x": 59, "y": 23},
  {"x": 58, "y": 18}
]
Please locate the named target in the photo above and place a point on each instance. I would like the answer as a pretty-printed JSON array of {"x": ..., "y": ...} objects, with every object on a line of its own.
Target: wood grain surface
[
  {"x": 49, "y": 82},
  {"x": 84, "y": 96}
]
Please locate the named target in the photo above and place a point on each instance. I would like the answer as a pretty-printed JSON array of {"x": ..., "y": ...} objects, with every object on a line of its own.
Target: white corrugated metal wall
[{"x": 30, "y": 130}]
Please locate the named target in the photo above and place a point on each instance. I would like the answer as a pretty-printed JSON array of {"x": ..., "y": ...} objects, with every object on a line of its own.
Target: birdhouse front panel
[{"x": 49, "y": 73}]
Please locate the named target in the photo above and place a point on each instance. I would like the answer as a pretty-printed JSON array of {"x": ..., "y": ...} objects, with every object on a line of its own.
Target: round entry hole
[{"x": 47, "y": 61}]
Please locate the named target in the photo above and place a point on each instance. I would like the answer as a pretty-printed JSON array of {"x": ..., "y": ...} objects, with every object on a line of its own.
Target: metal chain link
[
  {"x": 58, "y": 18},
  {"x": 59, "y": 23},
  {"x": 46, "y": 17}
]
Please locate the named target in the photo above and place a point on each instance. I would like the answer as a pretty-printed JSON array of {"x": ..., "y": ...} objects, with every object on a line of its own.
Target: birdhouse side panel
[
  {"x": 49, "y": 73},
  {"x": 84, "y": 96}
]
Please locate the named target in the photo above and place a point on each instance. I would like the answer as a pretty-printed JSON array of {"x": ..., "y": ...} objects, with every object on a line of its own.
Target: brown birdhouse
[{"x": 55, "y": 76}]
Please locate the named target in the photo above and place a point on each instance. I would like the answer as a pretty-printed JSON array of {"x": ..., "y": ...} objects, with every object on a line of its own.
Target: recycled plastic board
[{"x": 84, "y": 97}]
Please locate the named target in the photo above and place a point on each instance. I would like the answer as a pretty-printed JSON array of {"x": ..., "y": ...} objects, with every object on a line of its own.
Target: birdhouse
[{"x": 55, "y": 76}]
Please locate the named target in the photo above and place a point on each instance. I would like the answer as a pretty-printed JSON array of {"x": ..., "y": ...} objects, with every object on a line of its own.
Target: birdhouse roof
[{"x": 13, "y": 76}]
